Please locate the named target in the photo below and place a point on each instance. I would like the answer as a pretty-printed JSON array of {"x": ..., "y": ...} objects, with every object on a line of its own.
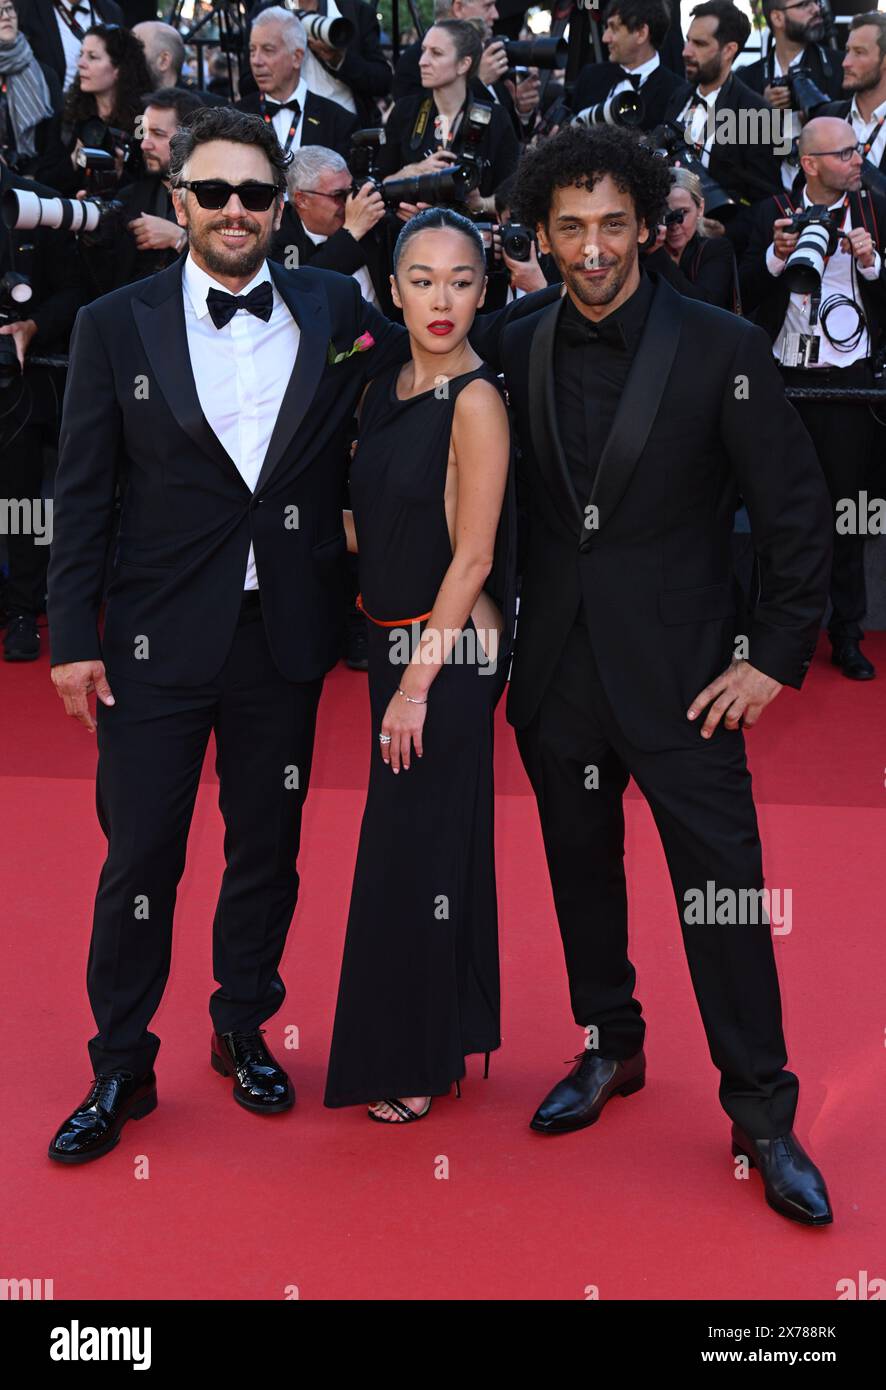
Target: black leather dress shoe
[
  {"x": 94, "y": 1128},
  {"x": 260, "y": 1082},
  {"x": 792, "y": 1183},
  {"x": 578, "y": 1100},
  {"x": 847, "y": 654}
]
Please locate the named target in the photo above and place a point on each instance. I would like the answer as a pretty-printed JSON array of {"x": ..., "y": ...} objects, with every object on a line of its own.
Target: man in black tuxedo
[
  {"x": 815, "y": 349},
  {"x": 634, "y": 33},
  {"x": 864, "y": 82},
  {"x": 299, "y": 117},
  {"x": 731, "y": 127},
  {"x": 55, "y": 29},
  {"x": 641, "y": 416},
  {"x": 329, "y": 224}
]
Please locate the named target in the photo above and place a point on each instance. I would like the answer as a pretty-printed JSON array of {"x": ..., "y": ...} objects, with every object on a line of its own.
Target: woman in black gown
[{"x": 433, "y": 525}]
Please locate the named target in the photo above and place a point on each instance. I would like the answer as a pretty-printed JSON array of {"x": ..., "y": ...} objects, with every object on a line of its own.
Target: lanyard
[
  {"x": 871, "y": 140},
  {"x": 293, "y": 124},
  {"x": 68, "y": 17}
]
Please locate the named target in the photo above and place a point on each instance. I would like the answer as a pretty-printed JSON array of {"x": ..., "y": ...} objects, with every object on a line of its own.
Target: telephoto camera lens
[
  {"x": 624, "y": 109},
  {"x": 805, "y": 265}
]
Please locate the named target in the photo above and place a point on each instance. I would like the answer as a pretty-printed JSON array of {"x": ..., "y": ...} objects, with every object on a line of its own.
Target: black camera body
[
  {"x": 517, "y": 241},
  {"x": 15, "y": 305},
  {"x": 806, "y": 95},
  {"x": 674, "y": 217}
]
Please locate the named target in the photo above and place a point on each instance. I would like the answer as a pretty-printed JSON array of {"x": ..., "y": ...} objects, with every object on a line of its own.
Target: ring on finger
[{"x": 384, "y": 738}]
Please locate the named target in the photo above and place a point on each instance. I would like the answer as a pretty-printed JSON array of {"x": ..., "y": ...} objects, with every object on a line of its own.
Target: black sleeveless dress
[{"x": 419, "y": 986}]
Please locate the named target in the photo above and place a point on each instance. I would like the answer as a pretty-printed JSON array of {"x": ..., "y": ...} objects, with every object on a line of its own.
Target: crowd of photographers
[{"x": 777, "y": 208}]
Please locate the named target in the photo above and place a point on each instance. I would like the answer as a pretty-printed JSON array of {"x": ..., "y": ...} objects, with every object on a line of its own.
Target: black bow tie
[
  {"x": 577, "y": 334},
  {"x": 222, "y": 307},
  {"x": 272, "y": 107},
  {"x": 633, "y": 77}
]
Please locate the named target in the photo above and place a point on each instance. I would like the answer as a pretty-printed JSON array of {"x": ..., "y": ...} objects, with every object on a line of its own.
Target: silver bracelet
[{"x": 410, "y": 699}]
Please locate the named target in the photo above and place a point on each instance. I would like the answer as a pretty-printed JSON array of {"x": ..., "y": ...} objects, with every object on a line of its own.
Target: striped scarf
[{"x": 27, "y": 94}]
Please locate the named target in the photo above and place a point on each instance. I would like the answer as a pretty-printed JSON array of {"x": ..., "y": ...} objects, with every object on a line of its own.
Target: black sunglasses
[{"x": 215, "y": 194}]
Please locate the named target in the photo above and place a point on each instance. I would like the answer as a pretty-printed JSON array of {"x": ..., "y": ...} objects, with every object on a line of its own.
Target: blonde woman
[{"x": 686, "y": 252}]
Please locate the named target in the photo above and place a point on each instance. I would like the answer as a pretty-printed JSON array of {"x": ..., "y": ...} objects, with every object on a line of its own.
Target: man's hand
[
  {"x": 525, "y": 275},
  {"x": 661, "y": 236},
  {"x": 740, "y": 694},
  {"x": 779, "y": 97},
  {"x": 154, "y": 233},
  {"x": 493, "y": 64},
  {"x": 860, "y": 244},
  {"x": 74, "y": 680},
  {"x": 363, "y": 209},
  {"x": 526, "y": 93},
  {"x": 332, "y": 57},
  {"x": 407, "y": 210},
  {"x": 22, "y": 332},
  {"x": 784, "y": 242}
]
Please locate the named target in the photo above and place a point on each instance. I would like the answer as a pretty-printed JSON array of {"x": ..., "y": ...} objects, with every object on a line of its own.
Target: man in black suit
[
  {"x": 641, "y": 416},
  {"x": 820, "y": 344},
  {"x": 329, "y": 224},
  {"x": 634, "y": 33},
  {"x": 55, "y": 29},
  {"x": 736, "y": 136},
  {"x": 796, "y": 42},
  {"x": 358, "y": 75},
  {"x": 864, "y": 81},
  {"x": 31, "y": 400},
  {"x": 227, "y": 432},
  {"x": 299, "y": 117}
]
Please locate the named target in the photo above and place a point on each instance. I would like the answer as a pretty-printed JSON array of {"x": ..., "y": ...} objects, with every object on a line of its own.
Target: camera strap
[
  {"x": 421, "y": 123},
  {"x": 68, "y": 17}
]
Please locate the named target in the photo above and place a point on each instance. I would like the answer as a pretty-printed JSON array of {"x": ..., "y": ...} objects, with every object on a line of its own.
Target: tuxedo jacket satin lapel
[
  {"x": 160, "y": 318},
  {"x": 543, "y": 418}
]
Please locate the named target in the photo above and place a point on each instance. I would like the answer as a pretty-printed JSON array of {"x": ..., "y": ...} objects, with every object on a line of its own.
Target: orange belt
[{"x": 383, "y": 622}]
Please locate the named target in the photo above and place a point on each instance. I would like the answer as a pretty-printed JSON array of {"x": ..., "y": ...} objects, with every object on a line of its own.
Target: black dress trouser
[
  {"x": 703, "y": 808},
  {"x": 843, "y": 436},
  {"x": 152, "y": 743}
]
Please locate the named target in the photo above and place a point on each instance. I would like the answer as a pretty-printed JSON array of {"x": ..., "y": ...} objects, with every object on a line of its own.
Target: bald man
[
  {"x": 165, "y": 54},
  {"x": 831, "y": 349}
]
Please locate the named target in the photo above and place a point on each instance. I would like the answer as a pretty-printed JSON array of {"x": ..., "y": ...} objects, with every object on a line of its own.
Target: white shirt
[
  {"x": 283, "y": 119},
  {"x": 323, "y": 82},
  {"x": 837, "y": 279},
  {"x": 71, "y": 45},
  {"x": 361, "y": 274},
  {"x": 702, "y": 126},
  {"x": 793, "y": 120},
  {"x": 643, "y": 70},
  {"x": 864, "y": 129},
  {"x": 241, "y": 372}
]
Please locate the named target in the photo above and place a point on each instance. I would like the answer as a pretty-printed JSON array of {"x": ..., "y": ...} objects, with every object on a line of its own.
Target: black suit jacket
[
  {"x": 765, "y": 297},
  {"x": 822, "y": 63},
  {"x": 365, "y": 69},
  {"x": 656, "y": 573},
  {"x": 706, "y": 270},
  {"x": 324, "y": 122},
  {"x": 747, "y": 170},
  {"x": 341, "y": 252},
  {"x": 596, "y": 81},
  {"x": 36, "y": 19},
  {"x": 407, "y": 83}
]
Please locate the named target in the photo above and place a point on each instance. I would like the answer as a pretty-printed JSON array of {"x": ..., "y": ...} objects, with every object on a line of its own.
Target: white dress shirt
[
  {"x": 283, "y": 119},
  {"x": 864, "y": 129},
  {"x": 838, "y": 278},
  {"x": 241, "y": 372},
  {"x": 643, "y": 70},
  {"x": 324, "y": 83},
  {"x": 85, "y": 17},
  {"x": 361, "y": 274},
  {"x": 702, "y": 124}
]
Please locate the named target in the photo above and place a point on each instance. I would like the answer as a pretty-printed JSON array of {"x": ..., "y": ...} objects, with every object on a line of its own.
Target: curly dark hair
[
  {"x": 133, "y": 80},
  {"x": 579, "y": 157},
  {"x": 226, "y": 123}
]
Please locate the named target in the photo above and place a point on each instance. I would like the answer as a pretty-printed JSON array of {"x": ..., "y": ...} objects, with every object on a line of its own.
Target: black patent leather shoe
[
  {"x": 260, "y": 1083},
  {"x": 792, "y": 1183},
  {"x": 847, "y": 654},
  {"x": 94, "y": 1127},
  {"x": 578, "y": 1100}
]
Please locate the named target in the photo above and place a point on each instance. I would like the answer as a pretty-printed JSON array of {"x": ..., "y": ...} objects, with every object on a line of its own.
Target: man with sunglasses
[
  {"x": 829, "y": 338},
  {"x": 218, "y": 394}
]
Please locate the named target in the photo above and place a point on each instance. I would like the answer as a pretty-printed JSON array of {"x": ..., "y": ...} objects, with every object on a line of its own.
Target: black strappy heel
[{"x": 399, "y": 1107}]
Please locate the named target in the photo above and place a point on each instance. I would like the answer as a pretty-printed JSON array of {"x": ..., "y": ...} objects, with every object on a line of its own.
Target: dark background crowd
[{"x": 91, "y": 94}]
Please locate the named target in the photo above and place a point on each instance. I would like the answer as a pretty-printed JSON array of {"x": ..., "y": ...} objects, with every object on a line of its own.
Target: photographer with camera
[
  {"x": 698, "y": 264},
  {"x": 446, "y": 126},
  {"x": 864, "y": 80},
  {"x": 103, "y": 106},
  {"x": 277, "y": 46},
  {"x": 729, "y": 126},
  {"x": 518, "y": 95},
  {"x": 145, "y": 236},
  {"x": 335, "y": 225},
  {"x": 634, "y": 33},
  {"x": 55, "y": 30},
  {"x": 353, "y": 70},
  {"x": 41, "y": 289},
  {"x": 814, "y": 279}
]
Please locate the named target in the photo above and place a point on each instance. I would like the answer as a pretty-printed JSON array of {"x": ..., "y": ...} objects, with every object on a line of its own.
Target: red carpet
[{"x": 204, "y": 1201}]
